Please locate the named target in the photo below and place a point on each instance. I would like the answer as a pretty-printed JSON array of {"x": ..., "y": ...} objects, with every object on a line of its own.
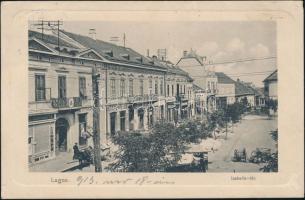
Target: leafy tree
[{"x": 152, "y": 152}]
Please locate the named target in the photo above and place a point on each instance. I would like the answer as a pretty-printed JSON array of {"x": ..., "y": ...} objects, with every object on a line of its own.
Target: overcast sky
[{"x": 219, "y": 41}]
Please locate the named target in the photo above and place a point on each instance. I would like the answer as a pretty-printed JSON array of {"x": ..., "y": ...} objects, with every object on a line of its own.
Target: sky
[{"x": 219, "y": 41}]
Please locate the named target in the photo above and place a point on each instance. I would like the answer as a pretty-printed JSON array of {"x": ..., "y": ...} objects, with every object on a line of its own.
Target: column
[
  {"x": 127, "y": 120},
  {"x": 117, "y": 121},
  {"x": 146, "y": 119},
  {"x": 136, "y": 120}
]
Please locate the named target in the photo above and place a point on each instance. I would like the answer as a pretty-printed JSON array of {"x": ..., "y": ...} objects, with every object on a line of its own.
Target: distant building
[
  {"x": 270, "y": 86},
  {"x": 248, "y": 92},
  {"x": 202, "y": 72},
  {"x": 225, "y": 90}
]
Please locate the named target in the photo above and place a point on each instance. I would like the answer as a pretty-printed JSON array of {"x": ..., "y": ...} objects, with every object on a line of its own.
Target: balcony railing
[
  {"x": 71, "y": 102},
  {"x": 144, "y": 98}
]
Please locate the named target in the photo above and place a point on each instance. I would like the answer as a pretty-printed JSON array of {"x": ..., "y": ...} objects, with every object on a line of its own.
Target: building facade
[
  {"x": 60, "y": 97},
  {"x": 270, "y": 86},
  {"x": 135, "y": 92},
  {"x": 225, "y": 90},
  {"x": 202, "y": 72}
]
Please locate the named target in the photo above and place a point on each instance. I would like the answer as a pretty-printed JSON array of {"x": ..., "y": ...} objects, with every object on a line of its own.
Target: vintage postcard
[{"x": 152, "y": 99}]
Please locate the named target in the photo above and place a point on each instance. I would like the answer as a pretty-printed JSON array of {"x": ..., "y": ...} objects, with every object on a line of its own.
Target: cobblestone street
[{"x": 251, "y": 133}]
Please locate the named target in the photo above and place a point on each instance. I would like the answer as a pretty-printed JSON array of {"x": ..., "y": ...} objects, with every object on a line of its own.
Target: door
[
  {"x": 62, "y": 127},
  {"x": 112, "y": 123}
]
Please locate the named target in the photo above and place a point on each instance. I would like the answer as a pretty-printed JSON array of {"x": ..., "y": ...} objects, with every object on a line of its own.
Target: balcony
[
  {"x": 144, "y": 98},
  {"x": 66, "y": 103}
]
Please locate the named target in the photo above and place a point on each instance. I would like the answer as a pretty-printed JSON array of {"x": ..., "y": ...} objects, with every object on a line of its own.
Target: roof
[
  {"x": 223, "y": 78},
  {"x": 242, "y": 88},
  {"x": 118, "y": 52},
  {"x": 50, "y": 39},
  {"x": 196, "y": 87},
  {"x": 271, "y": 77},
  {"x": 170, "y": 67}
]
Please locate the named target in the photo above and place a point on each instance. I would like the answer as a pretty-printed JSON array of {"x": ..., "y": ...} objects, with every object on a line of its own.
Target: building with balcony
[
  {"x": 60, "y": 97},
  {"x": 180, "y": 97},
  {"x": 202, "y": 72},
  {"x": 135, "y": 91}
]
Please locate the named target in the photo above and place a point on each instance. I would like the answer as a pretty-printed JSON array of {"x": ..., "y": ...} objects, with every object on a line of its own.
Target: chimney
[
  {"x": 237, "y": 79},
  {"x": 92, "y": 33},
  {"x": 154, "y": 58},
  {"x": 184, "y": 53},
  {"x": 147, "y": 52}
]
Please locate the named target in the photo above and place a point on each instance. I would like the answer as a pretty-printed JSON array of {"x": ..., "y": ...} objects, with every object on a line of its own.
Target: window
[
  {"x": 167, "y": 90},
  {"x": 122, "y": 88},
  {"x": 62, "y": 87},
  {"x": 40, "y": 93},
  {"x": 161, "y": 87},
  {"x": 122, "y": 120},
  {"x": 141, "y": 87},
  {"x": 172, "y": 90},
  {"x": 83, "y": 136},
  {"x": 184, "y": 89},
  {"x": 130, "y": 87},
  {"x": 112, "y": 88},
  {"x": 150, "y": 86},
  {"x": 82, "y": 87},
  {"x": 209, "y": 87},
  {"x": 156, "y": 87}
]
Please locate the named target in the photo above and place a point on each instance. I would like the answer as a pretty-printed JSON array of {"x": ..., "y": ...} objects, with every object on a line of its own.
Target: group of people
[{"x": 86, "y": 155}]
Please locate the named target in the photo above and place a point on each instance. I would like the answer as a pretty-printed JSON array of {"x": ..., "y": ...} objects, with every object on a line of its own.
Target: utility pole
[
  {"x": 44, "y": 25},
  {"x": 96, "y": 120}
]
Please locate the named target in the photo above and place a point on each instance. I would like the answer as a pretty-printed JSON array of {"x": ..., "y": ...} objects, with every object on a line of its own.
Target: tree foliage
[{"x": 157, "y": 150}]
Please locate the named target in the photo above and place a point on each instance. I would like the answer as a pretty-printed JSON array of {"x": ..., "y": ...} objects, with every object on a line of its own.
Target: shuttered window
[
  {"x": 122, "y": 88},
  {"x": 62, "y": 88},
  {"x": 141, "y": 87},
  {"x": 112, "y": 88},
  {"x": 130, "y": 87},
  {"x": 40, "y": 91},
  {"x": 82, "y": 87}
]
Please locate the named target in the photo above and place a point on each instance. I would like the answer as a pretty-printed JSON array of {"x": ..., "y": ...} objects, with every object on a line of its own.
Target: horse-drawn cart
[{"x": 240, "y": 155}]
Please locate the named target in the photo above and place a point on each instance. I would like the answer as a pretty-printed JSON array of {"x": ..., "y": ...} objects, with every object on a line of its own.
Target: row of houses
[
  {"x": 135, "y": 91},
  {"x": 215, "y": 89}
]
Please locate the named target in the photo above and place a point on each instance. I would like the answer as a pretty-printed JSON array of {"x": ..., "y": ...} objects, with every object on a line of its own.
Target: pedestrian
[{"x": 76, "y": 151}]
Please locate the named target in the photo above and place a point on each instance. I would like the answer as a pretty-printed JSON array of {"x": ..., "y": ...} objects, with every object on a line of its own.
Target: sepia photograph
[
  {"x": 140, "y": 97},
  {"x": 152, "y": 99}
]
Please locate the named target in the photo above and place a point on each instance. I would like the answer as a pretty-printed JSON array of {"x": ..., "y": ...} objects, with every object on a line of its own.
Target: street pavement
[
  {"x": 62, "y": 162},
  {"x": 251, "y": 133}
]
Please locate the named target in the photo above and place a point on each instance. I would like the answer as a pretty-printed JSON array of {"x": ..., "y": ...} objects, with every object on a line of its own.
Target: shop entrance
[
  {"x": 112, "y": 122},
  {"x": 62, "y": 127}
]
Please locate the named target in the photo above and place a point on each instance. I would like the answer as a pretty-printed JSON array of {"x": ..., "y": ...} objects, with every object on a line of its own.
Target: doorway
[
  {"x": 62, "y": 127},
  {"x": 112, "y": 122}
]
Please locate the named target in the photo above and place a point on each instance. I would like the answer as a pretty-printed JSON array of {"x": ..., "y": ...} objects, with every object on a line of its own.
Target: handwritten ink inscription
[{"x": 145, "y": 180}]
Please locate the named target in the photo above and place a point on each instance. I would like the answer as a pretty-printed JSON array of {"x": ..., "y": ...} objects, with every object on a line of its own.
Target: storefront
[{"x": 41, "y": 137}]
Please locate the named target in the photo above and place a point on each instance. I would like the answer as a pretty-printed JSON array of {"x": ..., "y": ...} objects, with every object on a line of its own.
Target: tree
[{"x": 138, "y": 152}]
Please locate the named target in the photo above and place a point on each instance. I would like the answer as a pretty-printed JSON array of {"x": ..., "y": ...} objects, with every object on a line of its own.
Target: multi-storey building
[
  {"x": 180, "y": 97},
  {"x": 202, "y": 72},
  {"x": 134, "y": 91},
  {"x": 59, "y": 96},
  {"x": 225, "y": 90}
]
